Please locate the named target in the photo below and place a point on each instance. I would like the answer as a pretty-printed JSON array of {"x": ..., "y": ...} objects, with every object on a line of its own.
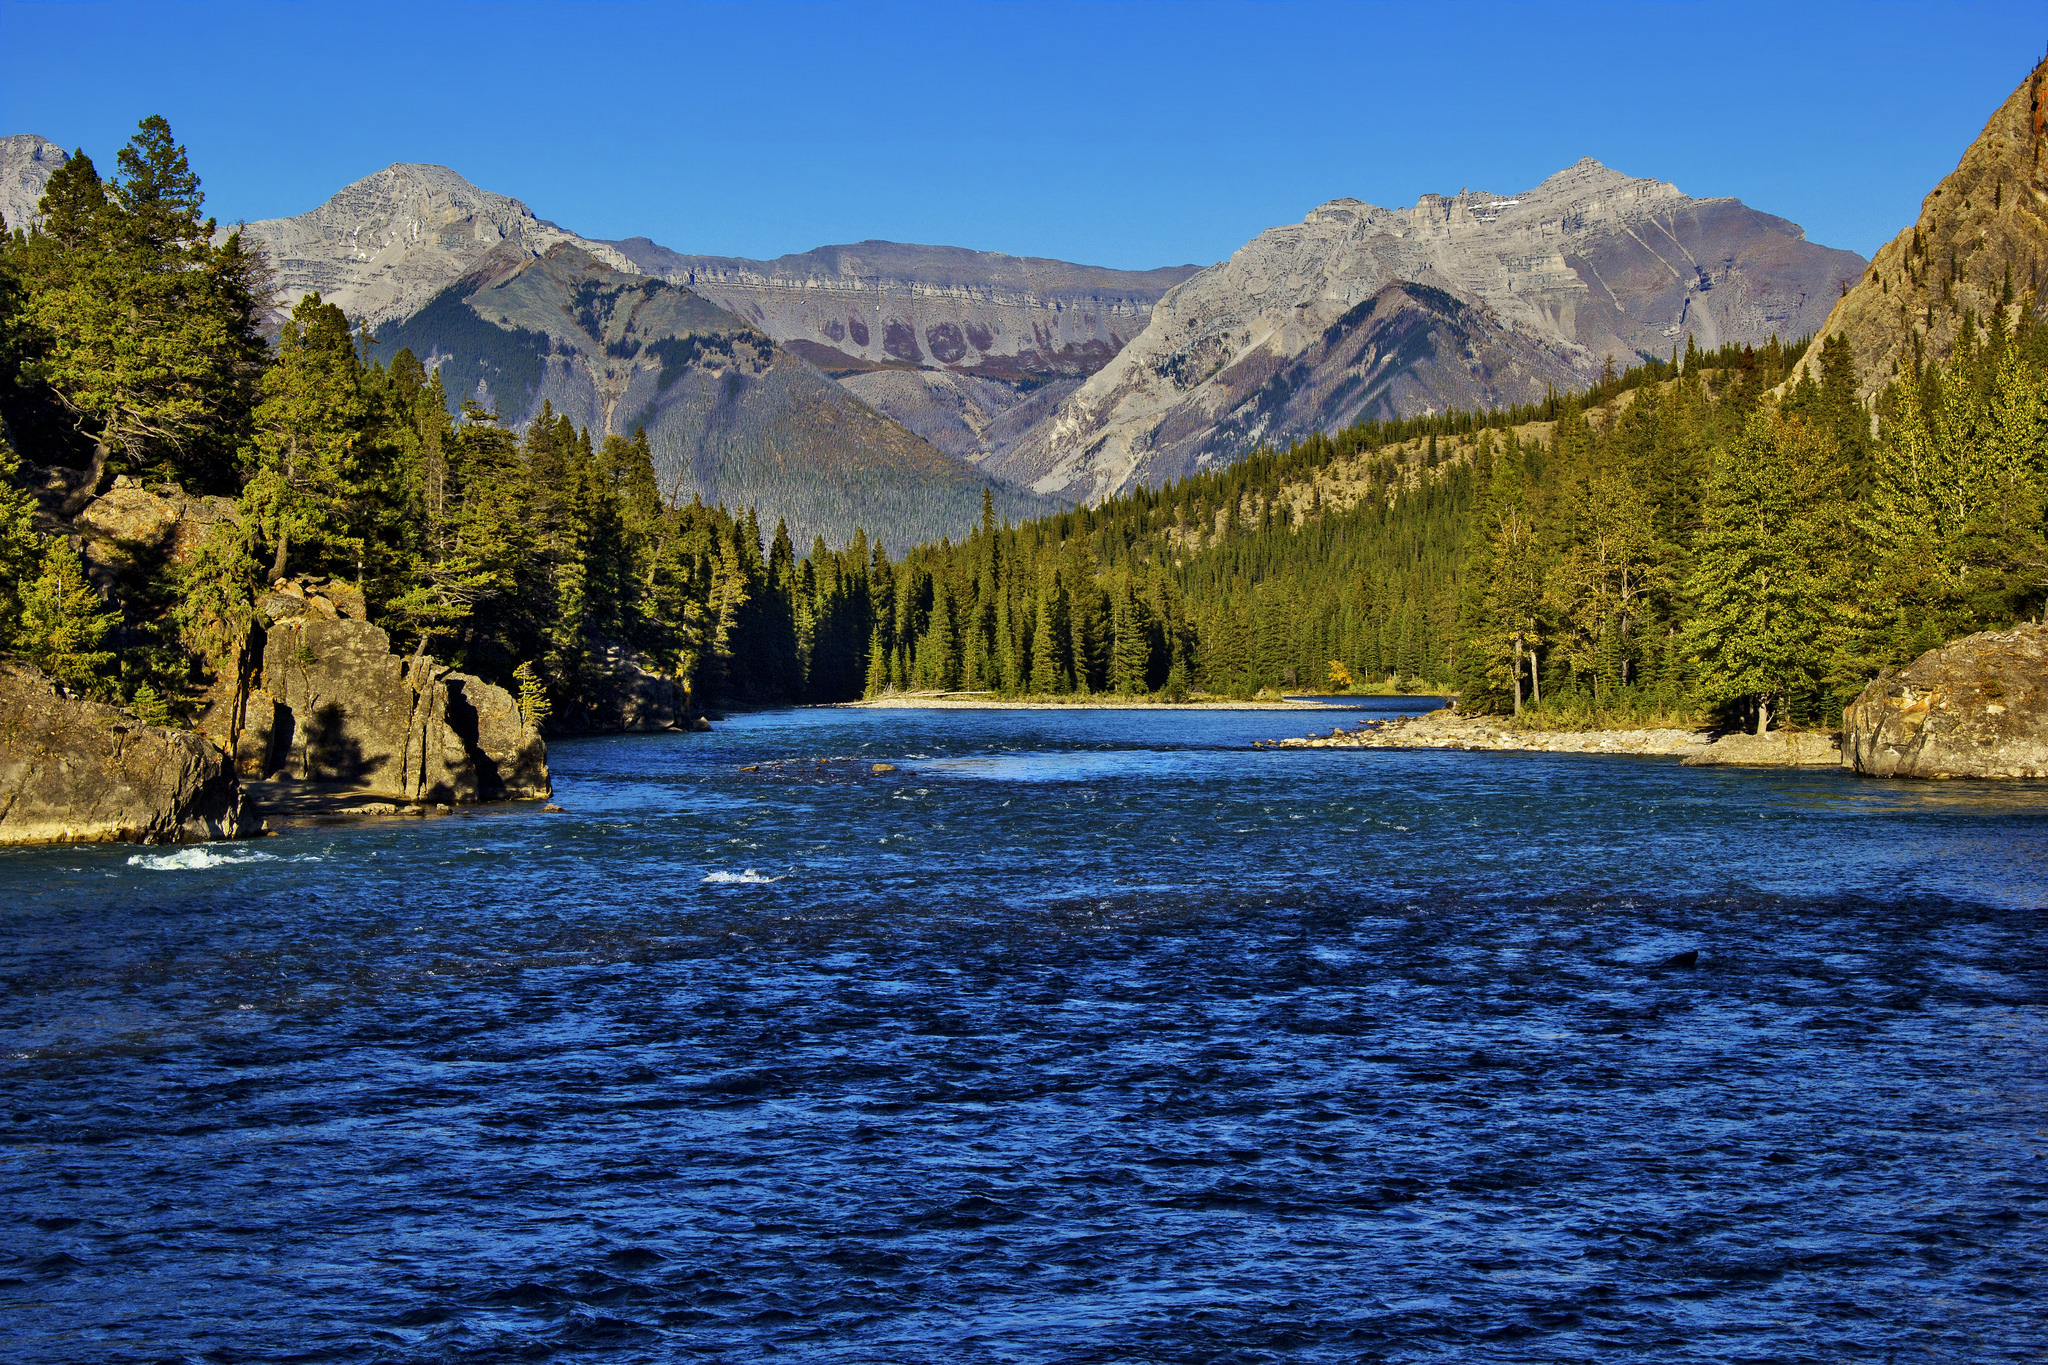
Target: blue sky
[{"x": 1119, "y": 134}]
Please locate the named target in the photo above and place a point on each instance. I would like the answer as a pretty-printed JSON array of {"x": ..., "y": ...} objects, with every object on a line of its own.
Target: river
[{"x": 1078, "y": 1036}]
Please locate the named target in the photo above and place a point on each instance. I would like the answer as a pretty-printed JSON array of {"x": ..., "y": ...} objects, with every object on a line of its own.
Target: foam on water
[
  {"x": 198, "y": 857},
  {"x": 747, "y": 878}
]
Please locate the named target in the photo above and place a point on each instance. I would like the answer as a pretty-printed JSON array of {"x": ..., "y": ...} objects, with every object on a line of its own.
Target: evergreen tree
[
  {"x": 64, "y": 625},
  {"x": 1756, "y": 634},
  {"x": 143, "y": 331}
]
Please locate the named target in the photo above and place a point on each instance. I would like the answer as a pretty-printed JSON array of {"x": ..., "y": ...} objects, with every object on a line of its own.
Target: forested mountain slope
[{"x": 730, "y": 417}]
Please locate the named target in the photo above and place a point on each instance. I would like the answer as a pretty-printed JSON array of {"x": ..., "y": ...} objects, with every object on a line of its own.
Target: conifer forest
[{"x": 1689, "y": 537}]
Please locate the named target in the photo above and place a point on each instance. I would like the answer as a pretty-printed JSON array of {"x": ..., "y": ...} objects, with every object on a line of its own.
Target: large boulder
[
  {"x": 1977, "y": 707},
  {"x": 510, "y": 758},
  {"x": 75, "y": 771}
]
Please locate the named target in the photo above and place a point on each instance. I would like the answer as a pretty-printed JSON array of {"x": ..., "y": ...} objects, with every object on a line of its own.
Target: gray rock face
[
  {"x": 74, "y": 771},
  {"x": 1589, "y": 264},
  {"x": 25, "y": 165},
  {"x": 939, "y": 307},
  {"x": 1977, "y": 707},
  {"x": 321, "y": 698},
  {"x": 384, "y": 246}
]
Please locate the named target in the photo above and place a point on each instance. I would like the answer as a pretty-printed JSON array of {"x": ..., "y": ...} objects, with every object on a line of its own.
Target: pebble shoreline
[{"x": 1447, "y": 730}]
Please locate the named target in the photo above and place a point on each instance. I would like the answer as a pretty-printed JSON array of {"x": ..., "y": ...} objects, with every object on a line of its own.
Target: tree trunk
[
  {"x": 85, "y": 493},
  {"x": 1535, "y": 681},
  {"x": 1763, "y": 714},
  {"x": 1518, "y": 675},
  {"x": 284, "y": 541}
]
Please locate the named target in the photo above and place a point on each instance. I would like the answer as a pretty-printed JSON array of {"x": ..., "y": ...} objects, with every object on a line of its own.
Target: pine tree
[
  {"x": 310, "y": 483},
  {"x": 144, "y": 331},
  {"x": 21, "y": 549},
  {"x": 1131, "y": 657},
  {"x": 1051, "y": 640}
]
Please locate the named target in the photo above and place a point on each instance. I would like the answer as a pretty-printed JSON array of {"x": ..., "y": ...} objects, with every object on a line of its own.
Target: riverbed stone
[
  {"x": 77, "y": 771},
  {"x": 1976, "y": 707}
]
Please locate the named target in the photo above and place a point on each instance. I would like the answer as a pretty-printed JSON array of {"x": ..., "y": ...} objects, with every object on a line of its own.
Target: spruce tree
[{"x": 145, "y": 331}]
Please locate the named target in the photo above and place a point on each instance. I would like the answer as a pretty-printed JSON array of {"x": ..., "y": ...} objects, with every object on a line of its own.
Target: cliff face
[
  {"x": 321, "y": 698},
  {"x": 1984, "y": 228},
  {"x": 890, "y": 304},
  {"x": 25, "y": 165},
  {"x": 384, "y": 246},
  {"x": 731, "y": 416},
  {"x": 1539, "y": 287}
]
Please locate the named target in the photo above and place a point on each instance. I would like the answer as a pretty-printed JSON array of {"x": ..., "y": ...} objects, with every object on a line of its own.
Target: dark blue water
[{"x": 1080, "y": 1037}]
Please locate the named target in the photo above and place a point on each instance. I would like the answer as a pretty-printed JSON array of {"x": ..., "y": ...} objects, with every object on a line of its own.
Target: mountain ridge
[
  {"x": 26, "y": 161},
  {"x": 730, "y": 416},
  {"x": 1591, "y": 263},
  {"x": 1983, "y": 228}
]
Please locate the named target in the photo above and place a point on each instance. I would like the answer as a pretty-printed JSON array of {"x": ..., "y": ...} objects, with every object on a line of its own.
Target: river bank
[{"x": 1445, "y": 729}]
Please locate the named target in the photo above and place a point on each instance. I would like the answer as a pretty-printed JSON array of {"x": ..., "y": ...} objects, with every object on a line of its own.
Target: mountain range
[{"x": 797, "y": 383}]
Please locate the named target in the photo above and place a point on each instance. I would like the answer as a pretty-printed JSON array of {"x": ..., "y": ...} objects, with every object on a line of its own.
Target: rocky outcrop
[
  {"x": 25, "y": 165},
  {"x": 131, "y": 527},
  {"x": 1977, "y": 707},
  {"x": 321, "y": 698},
  {"x": 1982, "y": 230},
  {"x": 75, "y": 771},
  {"x": 1587, "y": 265},
  {"x": 1777, "y": 749}
]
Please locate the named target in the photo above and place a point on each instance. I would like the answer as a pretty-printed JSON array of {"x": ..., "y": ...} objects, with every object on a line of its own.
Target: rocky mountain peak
[
  {"x": 385, "y": 245},
  {"x": 25, "y": 165},
  {"x": 1516, "y": 292}
]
